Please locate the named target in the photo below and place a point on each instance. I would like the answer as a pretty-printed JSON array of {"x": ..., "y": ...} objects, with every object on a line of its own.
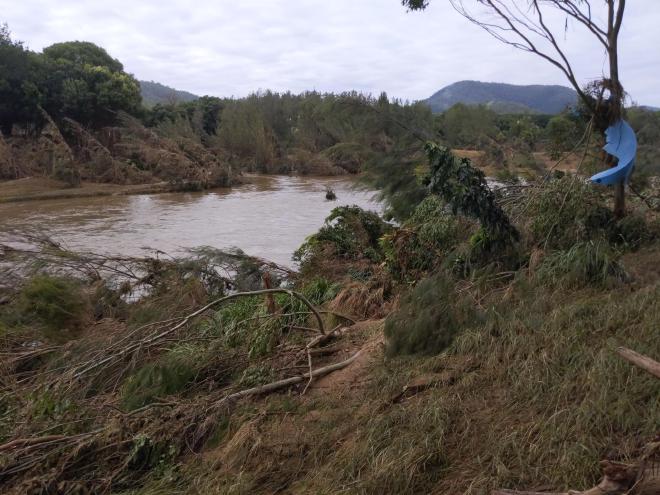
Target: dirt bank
[{"x": 40, "y": 188}]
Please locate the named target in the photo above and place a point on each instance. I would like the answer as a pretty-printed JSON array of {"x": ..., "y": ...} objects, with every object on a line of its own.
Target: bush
[
  {"x": 631, "y": 232},
  {"x": 569, "y": 211},
  {"x": 424, "y": 240},
  {"x": 348, "y": 156},
  {"x": 592, "y": 262},
  {"x": 350, "y": 232},
  {"x": 566, "y": 211},
  {"x": 56, "y": 303},
  {"x": 429, "y": 318}
]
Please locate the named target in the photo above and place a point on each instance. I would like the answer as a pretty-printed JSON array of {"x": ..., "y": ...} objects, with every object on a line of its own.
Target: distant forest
[{"x": 100, "y": 127}]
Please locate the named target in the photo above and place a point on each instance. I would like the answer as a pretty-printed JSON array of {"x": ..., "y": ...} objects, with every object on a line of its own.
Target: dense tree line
[
  {"x": 76, "y": 79},
  {"x": 267, "y": 128},
  {"x": 273, "y": 132}
]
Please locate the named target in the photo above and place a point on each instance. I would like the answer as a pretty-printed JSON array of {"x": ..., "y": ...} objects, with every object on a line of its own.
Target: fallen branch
[
  {"x": 516, "y": 492},
  {"x": 184, "y": 321},
  {"x": 644, "y": 362},
  {"x": 27, "y": 442},
  {"x": 273, "y": 386},
  {"x": 338, "y": 331}
]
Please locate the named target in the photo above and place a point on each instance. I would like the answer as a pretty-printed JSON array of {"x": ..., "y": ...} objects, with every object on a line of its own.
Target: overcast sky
[{"x": 233, "y": 47}]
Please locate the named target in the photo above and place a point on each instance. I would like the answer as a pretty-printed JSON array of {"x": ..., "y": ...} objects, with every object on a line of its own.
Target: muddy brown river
[{"x": 269, "y": 217}]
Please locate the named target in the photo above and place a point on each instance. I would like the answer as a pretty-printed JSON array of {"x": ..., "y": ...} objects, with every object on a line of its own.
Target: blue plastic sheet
[{"x": 621, "y": 143}]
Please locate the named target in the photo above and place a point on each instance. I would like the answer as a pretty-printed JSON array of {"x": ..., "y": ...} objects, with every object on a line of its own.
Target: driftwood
[{"x": 642, "y": 478}]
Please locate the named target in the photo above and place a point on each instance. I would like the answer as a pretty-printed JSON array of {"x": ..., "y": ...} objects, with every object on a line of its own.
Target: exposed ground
[
  {"x": 568, "y": 163},
  {"x": 39, "y": 188}
]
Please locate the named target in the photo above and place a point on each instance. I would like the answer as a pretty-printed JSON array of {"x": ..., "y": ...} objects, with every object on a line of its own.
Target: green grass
[
  {"x": 56, "y": 304},
  {"x": 536, "y": 397}
]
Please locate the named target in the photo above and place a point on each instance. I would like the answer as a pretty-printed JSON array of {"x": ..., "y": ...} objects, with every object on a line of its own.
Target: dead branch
[
  {"x": 277, "y": 385},
  {"x": 27, "y": 442},
  {"x": 151, "y": 341},
  {"x": 338, "y": 331},
  {"x": 644, "y": 362}
]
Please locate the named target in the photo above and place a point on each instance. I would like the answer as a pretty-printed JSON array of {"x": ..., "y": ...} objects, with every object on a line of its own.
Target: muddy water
[{"x": 270, "y": 218}]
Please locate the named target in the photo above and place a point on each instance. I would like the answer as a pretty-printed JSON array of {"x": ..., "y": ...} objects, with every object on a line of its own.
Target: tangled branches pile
[{"x": 132, "y": 389}]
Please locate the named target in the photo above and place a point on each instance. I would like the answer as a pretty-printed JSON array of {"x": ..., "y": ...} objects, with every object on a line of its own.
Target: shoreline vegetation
[
  {"x": 471, "y": 346},
  {"x": 467, "y": 341}
]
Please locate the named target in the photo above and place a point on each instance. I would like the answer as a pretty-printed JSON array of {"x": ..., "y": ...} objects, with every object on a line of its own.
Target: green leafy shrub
[
  {"x": 465, "y": 190},
  {"x": 57, "y": 304},
  {"x": 591, "y": 262},
  {"x": 568, "y": 211},
  {"x": 246, "y": 323},
  {"x": 348, "y": 232},
  {"x": 429, "y": 318},
  {"x": 424, "y": 240}
]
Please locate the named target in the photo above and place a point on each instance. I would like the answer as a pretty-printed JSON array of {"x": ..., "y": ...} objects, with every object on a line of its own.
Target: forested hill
[
  {"x": 504, "y": 98},
  {"x": 154, "y": 93}
]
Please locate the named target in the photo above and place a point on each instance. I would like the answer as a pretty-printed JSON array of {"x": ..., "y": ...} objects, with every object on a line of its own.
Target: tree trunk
[
  {"x": 619, "y": 190},
  {"x": 616, "y": 93}
]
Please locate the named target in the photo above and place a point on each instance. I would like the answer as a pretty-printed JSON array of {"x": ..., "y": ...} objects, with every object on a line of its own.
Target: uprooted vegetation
[{"x": 461, "y": 351}]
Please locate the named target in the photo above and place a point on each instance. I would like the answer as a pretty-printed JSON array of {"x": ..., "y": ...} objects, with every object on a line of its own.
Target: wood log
[{"x": 644, "y": 362}]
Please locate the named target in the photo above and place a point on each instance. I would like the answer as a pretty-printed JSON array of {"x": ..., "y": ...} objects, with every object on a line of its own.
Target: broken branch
[
  {"x": 644, "y": 362},
  {"x": 273, "y": 386}
]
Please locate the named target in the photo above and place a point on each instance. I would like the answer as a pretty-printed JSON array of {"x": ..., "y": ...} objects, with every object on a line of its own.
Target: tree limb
[
  {"x": 644, "y": 362},
  {"x": 273, "y": 386}
]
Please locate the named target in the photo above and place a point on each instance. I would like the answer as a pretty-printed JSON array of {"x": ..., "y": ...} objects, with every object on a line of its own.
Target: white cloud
[{"x": 225, "y": 47}]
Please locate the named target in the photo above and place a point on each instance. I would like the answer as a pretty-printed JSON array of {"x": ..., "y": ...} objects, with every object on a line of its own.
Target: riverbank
[
  {"x": 187, "y": 392},
  {"x": 397, "y": 359},
  {"x": 44, "y": 188}
]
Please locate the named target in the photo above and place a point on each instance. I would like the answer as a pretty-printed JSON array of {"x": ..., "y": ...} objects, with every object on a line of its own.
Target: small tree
[{"x": 525, "y": 25}]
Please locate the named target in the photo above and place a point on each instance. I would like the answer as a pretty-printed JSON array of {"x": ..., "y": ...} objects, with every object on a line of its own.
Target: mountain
[
  {"x": 153, "y": 93},
  {"x": 504, "y": 98}
]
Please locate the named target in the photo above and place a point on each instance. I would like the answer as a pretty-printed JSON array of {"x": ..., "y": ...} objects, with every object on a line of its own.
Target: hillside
[
  {"x": 154, "y": 93},
  {"x": 503, "y": 98}
]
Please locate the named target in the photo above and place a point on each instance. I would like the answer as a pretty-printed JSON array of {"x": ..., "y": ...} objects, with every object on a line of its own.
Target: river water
[{"x": 269, "y": 217}]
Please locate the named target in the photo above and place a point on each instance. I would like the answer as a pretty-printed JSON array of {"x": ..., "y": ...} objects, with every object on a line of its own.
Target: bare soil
[{"x": 39, "y": 188}]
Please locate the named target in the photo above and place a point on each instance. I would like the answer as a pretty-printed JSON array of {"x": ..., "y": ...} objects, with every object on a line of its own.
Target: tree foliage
[
  {"x": 465, "y": 190},
  {"x": 78, "y": 80},
  {"x": 84, "y": 83},
  {"x": 20, "y": 94}
]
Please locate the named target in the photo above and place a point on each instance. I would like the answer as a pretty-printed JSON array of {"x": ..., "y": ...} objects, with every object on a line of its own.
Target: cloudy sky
[{"x": 232, "y": 47}]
